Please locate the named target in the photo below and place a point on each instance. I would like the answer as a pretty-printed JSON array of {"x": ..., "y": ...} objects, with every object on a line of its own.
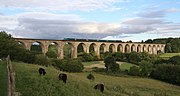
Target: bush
[
  {"x": 111, "y": 65},
  {"x": 134, "y": 70},
  {"x": 85, "y": 57},
  {"x": 175, "y": 60},
  {"x": 42, "y": 60},
  {"x": 167, "y": 72},
  {"x": 134, "y": 57},
  {"x": 90, "y": 77},
  {"x": 145, "y": 68},
  {"x": 69, "y": 65}
]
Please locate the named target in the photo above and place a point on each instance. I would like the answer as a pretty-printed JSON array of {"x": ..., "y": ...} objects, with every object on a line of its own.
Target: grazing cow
[
  {"x": 42, "y": 71},
  {"x": 100, "y": 87},
  {"x": 63, "y": 77}
]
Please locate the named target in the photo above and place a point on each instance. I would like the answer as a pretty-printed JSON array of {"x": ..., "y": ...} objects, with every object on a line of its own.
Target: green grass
[
  {"x": 90, "y": 63},
  {"x": 3, "y": 79},
  {"x": 29, "y": 83},
  {"x": 168, "y": 55},
  {"x": 126, "y": 66}
]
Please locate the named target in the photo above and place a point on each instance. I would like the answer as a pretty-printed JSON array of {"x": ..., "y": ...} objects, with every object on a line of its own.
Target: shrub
[
  {"x": 90, "y": 77},
  {"x": 69, "y": 65},
  {"x": 175, "y": 60},
  {"x": 42, "y": 60},
  {"x": 111, "y": 65},
  {"x": 85, "y": 57},
  {"x": 167, "y": 72},
  {"x": 145, "y": 68},
  {"x": 134, "y": 57},
  {"x": 134, "y": 70}
]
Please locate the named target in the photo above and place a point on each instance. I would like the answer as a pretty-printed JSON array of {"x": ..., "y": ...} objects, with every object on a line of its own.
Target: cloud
[
  {"x": 63, "y": 5},
  {"x": 59, "y": 26},
  {"x": 53, "y": 26},
  {"x": 143, "y": 21},
  {"x": 157, "y": 13}
]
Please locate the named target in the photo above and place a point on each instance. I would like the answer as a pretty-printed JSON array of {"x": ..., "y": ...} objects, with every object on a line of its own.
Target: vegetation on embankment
[
  {"x": 29, "y": 82},
  {"x": 3, "y": 79},
  {"x": 168, "y": 55}
]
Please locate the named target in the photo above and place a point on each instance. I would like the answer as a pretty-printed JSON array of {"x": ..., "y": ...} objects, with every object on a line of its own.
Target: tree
[
  {"x": 42, "y": 60},
  {"x": 145, "y": 68},
  {"x": 134, "y": 70},
  {"x": 8, "y": 46},
  {"x": 175, "y": 60},
  {"x": 149, "y": 41},
  {"x": 134, "y": 57},
  {"x": 111, "y": 65},
  {"x": 168, "y": 48}
]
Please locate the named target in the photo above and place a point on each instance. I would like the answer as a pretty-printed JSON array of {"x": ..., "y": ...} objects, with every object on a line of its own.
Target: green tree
[
  {"x": 134, "y": 71},
  {"x": 111, "y": 65},
  {"x": 145, "y": 68},
  {"x": 175, "y": 60},
  {"x": 42, "y": 60},
  {"x": 8, "y": 46}
]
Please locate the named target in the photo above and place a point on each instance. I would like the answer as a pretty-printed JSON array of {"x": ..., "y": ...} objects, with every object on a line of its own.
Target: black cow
[
  {"x": 42, "y": 71},
  {"x": 63, "y": 77},
  {"x": 100, "y": 87}
]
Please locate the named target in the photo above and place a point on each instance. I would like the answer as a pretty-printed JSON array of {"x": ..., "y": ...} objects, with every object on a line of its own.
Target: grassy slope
[
  {"x": 123, "y": 65},
  {"x": 126, "y": 65},
  {"x": 29, "y": 83},
  {"x": 168, "y": 55},
  {"x": 3, "y": 79}
]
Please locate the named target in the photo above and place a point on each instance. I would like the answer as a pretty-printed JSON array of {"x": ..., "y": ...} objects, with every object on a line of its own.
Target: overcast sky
[{"x": 125, "y": 20}]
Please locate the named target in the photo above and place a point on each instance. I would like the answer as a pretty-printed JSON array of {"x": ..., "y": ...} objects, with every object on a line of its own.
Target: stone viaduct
[{"x": 96, "y": 44}]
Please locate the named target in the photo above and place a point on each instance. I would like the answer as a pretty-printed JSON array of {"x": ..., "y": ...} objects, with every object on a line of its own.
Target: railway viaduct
[{"x": 95, "y": 44}]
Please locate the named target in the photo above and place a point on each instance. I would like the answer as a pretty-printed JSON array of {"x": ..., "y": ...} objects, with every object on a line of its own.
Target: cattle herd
[{"x": 63, "y": 77}]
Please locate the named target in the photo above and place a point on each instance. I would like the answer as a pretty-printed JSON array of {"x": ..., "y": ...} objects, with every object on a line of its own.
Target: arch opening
[
  {"x": 36, "y": 47},
  {"x": 133, "y": 48},
  {"x": 111, "y": 48},
  {"x": 139, "y": 48},
  {"x": 120, "y": 48},
  {"x": 127, "y": 48},
  {"x": 68, "y": 50},
  {"x": 52, "y": 50}
]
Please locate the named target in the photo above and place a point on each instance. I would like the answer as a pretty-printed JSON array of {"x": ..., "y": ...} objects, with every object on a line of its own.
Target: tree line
[{"x": 172, "y": 44}]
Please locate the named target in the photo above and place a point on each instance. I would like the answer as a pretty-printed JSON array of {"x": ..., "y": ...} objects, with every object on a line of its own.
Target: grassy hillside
[
  {"x": 168, "y": 55},
  {"x": 3, "y": 79},
  {"x": 29, "y": 83}
]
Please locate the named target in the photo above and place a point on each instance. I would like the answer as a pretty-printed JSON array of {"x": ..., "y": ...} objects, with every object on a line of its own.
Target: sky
[{"x": 124, "y": 20}]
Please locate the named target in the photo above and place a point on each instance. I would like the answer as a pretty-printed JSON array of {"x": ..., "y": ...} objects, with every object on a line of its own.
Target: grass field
[
  {"x": 125, "y": 65},
  {"x": 168, "y": 55},
  {"x": 30, "y": 83},
  {"x": 90, "y": 63},
  {"x": 3, "y": 79}
]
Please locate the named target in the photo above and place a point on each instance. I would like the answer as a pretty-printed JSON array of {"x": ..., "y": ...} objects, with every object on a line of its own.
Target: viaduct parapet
[{"x": 116, "y": 46}]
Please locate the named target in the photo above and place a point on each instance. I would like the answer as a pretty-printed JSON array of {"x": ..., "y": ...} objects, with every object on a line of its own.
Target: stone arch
[
  {"x": 154, "y": 51},
  {"x": 139, "y": 48},
  {"x": 93, "y": 48},
  {"x": 144, "y": 48},
  {"x": 120, "y": 48},
  {"x": 37, "y": 46},
  {"x": 21, "y": 44},
  {"x": 149, "y": 49},
  {"x": 52, "y": 50},
  {"x": 102, "y": 48},
  {"x": 112, "y": 48},
  {"x": 81, "y": 48},
  {"x": 127, "y": 48},
  {"x": 68, "y": 50},
  {"x": 133, "y": 48}
]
